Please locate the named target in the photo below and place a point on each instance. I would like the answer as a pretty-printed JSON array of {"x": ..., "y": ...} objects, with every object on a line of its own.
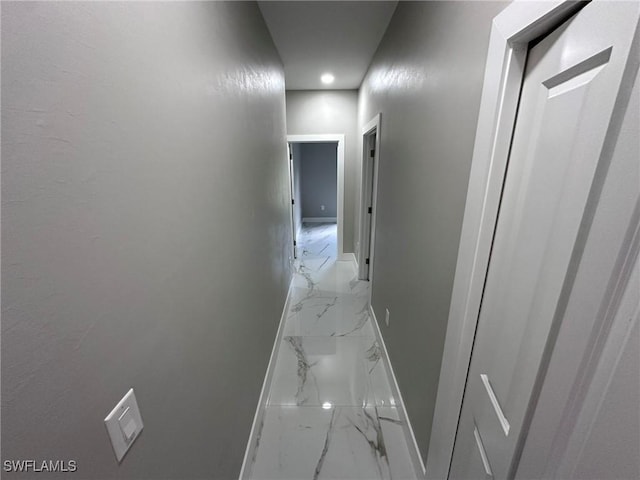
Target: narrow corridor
[
  {"x": 330, "y": 411},
  {"x": 483, "y": 173}
]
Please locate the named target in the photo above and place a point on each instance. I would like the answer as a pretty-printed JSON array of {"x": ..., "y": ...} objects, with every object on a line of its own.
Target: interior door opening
[
  {"x": 313, "y": 168},
  {"x": 370, "y": 146},
  {"x": 367, "y": 240},
  {"x": 293, "y": 193}
]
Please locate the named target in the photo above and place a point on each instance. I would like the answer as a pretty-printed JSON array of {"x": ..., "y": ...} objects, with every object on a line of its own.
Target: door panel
[
  {"x": 571, "y": 84},
  {"x": 595, "y": 324}
]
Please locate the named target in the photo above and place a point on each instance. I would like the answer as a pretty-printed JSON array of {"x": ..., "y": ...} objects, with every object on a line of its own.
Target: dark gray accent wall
[
  {"x": 311, "y": 112},
  {"x": 145, "y": 231},
  {"x": 426, "y": 80},
  {"x": 319, "y": 179}
]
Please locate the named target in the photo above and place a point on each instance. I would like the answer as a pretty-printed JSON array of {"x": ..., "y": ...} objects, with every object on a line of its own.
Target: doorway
[
  {"x": 309, "y": 201},
  {"x": 369, "y": 190},
  {"x": 294, "y": 193}
]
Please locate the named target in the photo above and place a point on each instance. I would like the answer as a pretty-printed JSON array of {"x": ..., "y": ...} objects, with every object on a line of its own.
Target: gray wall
[
  {"x": 143, "y": 186},
  {"x": 426, "y": 80},
  {"x": 319, "y": 179},
  {"x": 325, "y": 112},
  {"x": 296, "y": 151}
]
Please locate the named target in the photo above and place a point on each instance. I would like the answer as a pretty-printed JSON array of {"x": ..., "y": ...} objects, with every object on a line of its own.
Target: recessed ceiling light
[
  {"x": 327, "y": 78},
  {"x": 327, "y": 405}
]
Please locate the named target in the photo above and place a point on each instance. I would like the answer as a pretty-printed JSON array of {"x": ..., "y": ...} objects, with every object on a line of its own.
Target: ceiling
[{"x": 331, "y": 36}]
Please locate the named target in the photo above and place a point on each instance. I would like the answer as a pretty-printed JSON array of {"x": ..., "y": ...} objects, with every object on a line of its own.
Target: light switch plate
[{"x": 124, "y": 424}]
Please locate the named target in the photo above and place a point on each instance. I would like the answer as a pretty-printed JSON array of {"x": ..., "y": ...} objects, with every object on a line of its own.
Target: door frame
[
  {"x": 339, "y": 139},
  {"x": 294, "y": 233},
  {"x": 369, "y": 180},
  {"x": 511, "y": 31}
]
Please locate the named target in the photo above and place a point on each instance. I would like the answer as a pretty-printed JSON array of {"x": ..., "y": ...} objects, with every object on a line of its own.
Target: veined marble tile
[
  {"x": 329, "y": 275},
  {"x": 315, "y": 230},
  {"x": 336, "y": 443},
  {"x": 318, "y": 239},
  {"x": 316, "y": 371},
  {"x": 395, "y": 439},
  {"x": 325, "y": 245},
  {"x": 318, "y": 313},
  {"x": 378, "y": 379},
  {"x": 317, "y": 267},
  {"x": 330, "y": 411}
]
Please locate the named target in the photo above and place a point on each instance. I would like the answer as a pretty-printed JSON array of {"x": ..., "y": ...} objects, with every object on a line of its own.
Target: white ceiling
[{"x": 330, "y": 36}]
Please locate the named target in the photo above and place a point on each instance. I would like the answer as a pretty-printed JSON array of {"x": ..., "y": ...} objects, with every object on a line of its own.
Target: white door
[{"x": 570, "y": 95}]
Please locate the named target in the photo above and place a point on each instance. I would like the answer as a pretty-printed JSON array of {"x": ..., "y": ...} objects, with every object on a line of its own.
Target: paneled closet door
[{"x": 572, "y": 81}]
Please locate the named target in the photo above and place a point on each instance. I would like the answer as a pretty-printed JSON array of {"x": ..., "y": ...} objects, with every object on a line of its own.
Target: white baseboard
[
  {"x": 258, "y": 418},
  {"x": 395, "y": 390},
  {"x": 348, "y": 257},
  {"x": 319, "y": 220}
]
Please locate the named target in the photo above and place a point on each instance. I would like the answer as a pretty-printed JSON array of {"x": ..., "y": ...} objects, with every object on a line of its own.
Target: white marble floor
[{"x": 330, "y": 412}]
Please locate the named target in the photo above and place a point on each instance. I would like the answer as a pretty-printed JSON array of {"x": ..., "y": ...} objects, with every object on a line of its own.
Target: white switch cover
[{"x": 124, "y": 424}]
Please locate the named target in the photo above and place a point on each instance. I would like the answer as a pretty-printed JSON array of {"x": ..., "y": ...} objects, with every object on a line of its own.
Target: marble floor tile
[
  {"x": 318, "y": 273},
  {"x": 317, "y": 371},
  {"x": 317, "y": 267},
  {"x": 336, "y": 443},
  {"x": 322, "y": 370},
  {"x": 318, "y": 239},
  {"x": 330, "y": 412},
  {"x": 319, "y": 313},
  {"x": 378, "y": 379},
  {"x": 322, "y": 246}
]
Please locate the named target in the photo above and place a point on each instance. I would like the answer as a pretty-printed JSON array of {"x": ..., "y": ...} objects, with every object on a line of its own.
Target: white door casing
[
  {"x": 293, "y": 199},
  {"x": 369, "y": 195},
  {"x": 569, "y": 97},
  {"x": 370, "y": 225}
]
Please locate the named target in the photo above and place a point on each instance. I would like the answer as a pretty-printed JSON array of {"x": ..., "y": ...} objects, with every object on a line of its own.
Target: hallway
[
  {"x": 330, "y": 412},
  {"x": 160, "y": 318}
]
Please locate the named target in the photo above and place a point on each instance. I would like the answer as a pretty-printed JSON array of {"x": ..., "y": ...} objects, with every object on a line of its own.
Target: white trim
[
  {"x": 483, "y": 452},
  {"x": 330, "y": 138},
  {"x": 366, "y": 180},
  {"x": 504, "y": 423},
  {"x": 350, "y": 257},
  {"x": 294, "y": 233},
  {"x": 512, "y": 30},
  {"x": 319, "y": 220},
  {"x": 245, "y": 471},
  {"x": 395, "y": 390}
]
